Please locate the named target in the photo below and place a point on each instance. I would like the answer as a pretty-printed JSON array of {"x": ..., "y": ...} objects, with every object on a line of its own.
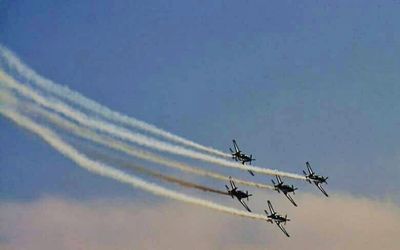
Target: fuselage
[
  {"x": 277, "y": 218},
  {"x": 241, "y": 157},
  {"x": 284, "y": 188},
  {"x": 239, "y": 194},
  {"x": 317, "y": 178}
]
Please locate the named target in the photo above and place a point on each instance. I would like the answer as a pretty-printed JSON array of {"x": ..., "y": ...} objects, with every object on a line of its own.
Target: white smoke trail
[
  {"x": 132, "y": 151},
  {"x": 75, "y": 97},
  {"x": 127, "y": 135},
  {"x": 116, "y": 161},
  {"x": 104, "y": 170}
]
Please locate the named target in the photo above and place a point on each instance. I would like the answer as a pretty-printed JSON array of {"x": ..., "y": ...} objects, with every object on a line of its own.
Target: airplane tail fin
[
  {"x": 305, "y": 174},
  {"x": 269, "y": 220},
  {"x": 228, "y": 191}
]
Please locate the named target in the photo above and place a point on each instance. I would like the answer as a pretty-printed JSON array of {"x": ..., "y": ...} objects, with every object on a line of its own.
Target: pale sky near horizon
[{"x": 292, "y": 82}]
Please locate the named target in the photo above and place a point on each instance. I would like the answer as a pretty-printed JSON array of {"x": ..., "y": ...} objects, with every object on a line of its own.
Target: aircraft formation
[
  {"x": 44, "y": 108},
  {"x": 279, "y": 186}
]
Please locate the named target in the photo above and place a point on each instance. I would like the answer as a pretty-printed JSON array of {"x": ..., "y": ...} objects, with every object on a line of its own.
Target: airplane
[
  {"x": 278, "y": 219},
  {"x": 237, "y": 155},
  {"x": 316, "y": 179},
  {"x": 285, "y": 189},
  {"x": 233, "y": 192}
]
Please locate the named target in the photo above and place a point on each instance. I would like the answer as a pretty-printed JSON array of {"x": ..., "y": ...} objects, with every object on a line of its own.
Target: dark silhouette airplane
[
  {"x": 278, "y": 219},
  {"x": 316, "y": 179},
  {"x": 237, "y": 155},
  {"x": 234, "y": 192},
  {"x": 285, "y": 189}
]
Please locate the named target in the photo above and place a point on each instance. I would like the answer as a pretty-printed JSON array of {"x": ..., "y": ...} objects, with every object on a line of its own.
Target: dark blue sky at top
[{"x": 291, "y": 80}]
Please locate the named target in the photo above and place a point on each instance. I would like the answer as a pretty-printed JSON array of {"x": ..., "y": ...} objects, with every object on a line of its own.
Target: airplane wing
[
  {"x": 290, "y": 199},
  {"x": 309, "y": 168},
  {"x": 282, "y": 228},
  {"x": 320, "y": 188},
  {"x": 245, "y": 205},
  {"x": 271, "y": 209},
  {"x": 236, "y": 146}
]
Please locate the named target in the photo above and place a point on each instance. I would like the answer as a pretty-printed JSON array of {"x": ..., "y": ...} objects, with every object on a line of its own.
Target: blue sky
[{"x": 293, "y": 82}]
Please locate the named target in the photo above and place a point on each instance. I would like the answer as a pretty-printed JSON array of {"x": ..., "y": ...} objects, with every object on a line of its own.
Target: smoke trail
[
  {"x": 107, "y": 171},
  {"x": 168, "y": 178},
  {"x": 6, "y": 97},
  {"x": 132, "y": 151},
  {"x": 127, "y": 135},
  {"x": 75, "y": 97}
]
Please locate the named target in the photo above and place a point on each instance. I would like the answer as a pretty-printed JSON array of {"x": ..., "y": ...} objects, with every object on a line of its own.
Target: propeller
[
  {"x": 251, "y": 159},
  {"x": 294, "y": 188},
  {"x": 248, "y": 195},
  {"x": 285, "y": 219}
]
